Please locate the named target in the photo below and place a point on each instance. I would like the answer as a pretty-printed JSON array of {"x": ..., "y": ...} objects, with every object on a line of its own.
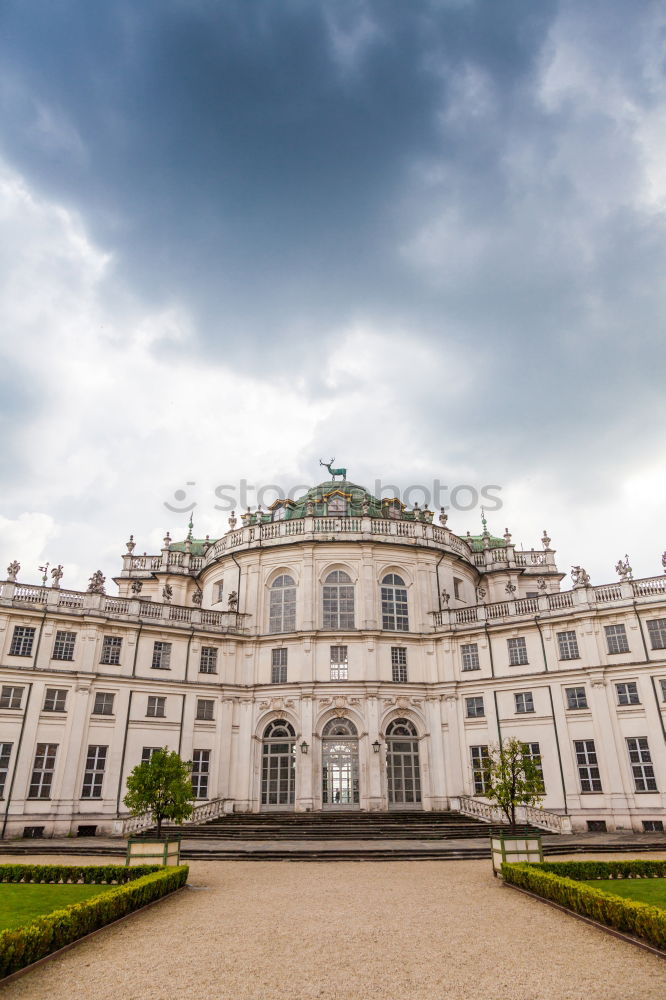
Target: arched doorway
[
  {"x": 339, "y": 765},
  {"x": 277, "y": 765},
  {"x": 402, "y": 765}
]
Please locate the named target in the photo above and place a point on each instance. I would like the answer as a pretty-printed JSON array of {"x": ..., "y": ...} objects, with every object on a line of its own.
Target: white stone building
[{"x": 338, "y": 652}]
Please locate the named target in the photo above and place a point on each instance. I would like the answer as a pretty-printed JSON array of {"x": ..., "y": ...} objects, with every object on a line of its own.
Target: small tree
[
  {"x": 161, "y": 786},
  {"x": 513, "y": 779}
]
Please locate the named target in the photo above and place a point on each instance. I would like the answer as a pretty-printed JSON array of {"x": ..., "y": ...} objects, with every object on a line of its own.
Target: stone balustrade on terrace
[
  {"x": 82, "y": 604},
  {"x": 580, "y": 598},
  {"x": 419, "y": 533}
]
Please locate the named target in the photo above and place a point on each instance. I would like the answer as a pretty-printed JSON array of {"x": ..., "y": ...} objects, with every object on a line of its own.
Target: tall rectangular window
[
  {"x": 588, "y": 766},
  {"x": 641, "y": 764},
  {"x": 94, "y": 773},
  {"x": 576, "y": 697},
  {"x": 156, "y": 708},
  {"x": 205, "y": 709},
  {"x": 111, "y": 646},
  {"x": 517, "y": 651},
  {"x": 480, "y": 767},
  {"x": 338, "y": 593},
  {"x": 532, "y": 752},
  {"x": 103, "y": 703},
  {"x": 627, "y": 693},
  {"x": 10, "y": 696},
  {"x": 208, "y": 660},
  {"x": 339, "y": 663},
  {"x": 663, "y": 689},
  {"x": 22, "y": 640},
  {"x": 457, "y": 588},
  {"x": 474, "y": 707},
  {"x": 399, "y": 664},
  {"x": 161, "y": 656},
  {"x": 616, "y": 638},
  {"x": 568, "y": 645},
  {"x": 147, "y": 753},
  {"x": 200, "y": 772},
  {"x": 524, "y": 702},
  {"x": 55, "y": 700},
  {"x": 218, "y": 589},
  {"x": 470, "y": 656},
  {"x": 43, "y": 771},
  {"x": 5, "y": 757},
  {"x": 63, "y": 647},
  {"x": 278, "y": 666},
  {"x": 657, "y": 633}
]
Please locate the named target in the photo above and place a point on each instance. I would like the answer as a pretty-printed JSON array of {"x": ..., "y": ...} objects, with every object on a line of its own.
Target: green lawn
[
  {"x": 22, "y": 902},
  {"x": 645, "y": 890}
]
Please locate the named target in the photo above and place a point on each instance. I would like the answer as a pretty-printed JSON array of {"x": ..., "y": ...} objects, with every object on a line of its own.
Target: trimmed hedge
[
  {"x": 88, "y": 874},
  {"x": 627, "y": 915},
  {"x": 582, "y": 871},
  {"x": 22, "y": 946}
]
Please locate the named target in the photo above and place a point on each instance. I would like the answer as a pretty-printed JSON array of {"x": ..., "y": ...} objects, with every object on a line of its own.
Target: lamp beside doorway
[
  {"x": 304, "y": 747},
  {"x": 376, "y": 746}
]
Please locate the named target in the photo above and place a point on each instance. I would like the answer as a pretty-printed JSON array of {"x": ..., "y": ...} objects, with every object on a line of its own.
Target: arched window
[
  {"x": 338, "y": 601},
  {"x": 339, "y": 764},
  {"x": 402, "y": 764},
  {"x": 339, "y": 727},
  {"x": 282, "y": 612},
  {"x": 277, "y": 764},
  {"x": 394, "y": 603}
]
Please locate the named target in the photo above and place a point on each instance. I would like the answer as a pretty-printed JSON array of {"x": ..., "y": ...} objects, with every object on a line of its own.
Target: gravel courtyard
[{"x": 346, "y": 931}]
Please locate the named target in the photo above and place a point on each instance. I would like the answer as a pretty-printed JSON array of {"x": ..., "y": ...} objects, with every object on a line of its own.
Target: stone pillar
[
  {"x": 305, "y": 762},
  {"x": 376, "y": 762},
  {"x": 454, "y": 748},
  {"x": 434, "y": 749}
]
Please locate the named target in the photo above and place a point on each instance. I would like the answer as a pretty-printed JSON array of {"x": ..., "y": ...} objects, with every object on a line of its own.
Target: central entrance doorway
[{"x": 339, "y": 766}]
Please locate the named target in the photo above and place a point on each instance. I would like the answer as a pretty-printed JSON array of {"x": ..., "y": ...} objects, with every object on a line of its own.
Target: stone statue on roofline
[
  {"x": 96, "y": 583},
  {"x": 579, "y": 577},
  {"x": 623, "y": 569},
  {"x": 57, "y": 575},
  {"x": 14, "y": 568},
  {"x": 232, "y": 600},
  {"x": 663, "y": 561}
]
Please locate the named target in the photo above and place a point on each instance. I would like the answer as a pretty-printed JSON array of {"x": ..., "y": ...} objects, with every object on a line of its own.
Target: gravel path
[{"x": 347, "y": 931}]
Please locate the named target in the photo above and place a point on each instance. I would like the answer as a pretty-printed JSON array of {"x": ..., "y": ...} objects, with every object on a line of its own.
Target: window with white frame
[
  {"x": 337, "y": 505},
  {"x": 208, "y": 660},
  {"x": 200, "y": 773},
  {"x": 218, "y": 590},
  {"x": 395, "y": 614},
  {"x": 338, "y": 596},
  {"x": 43, "y": 771},
  {"x": 5, "y": 757},
  {"x": 627, "y": 693},
  {"x": 576, "y": 697},
  {"x": 103, "y": 703},
  {"x": 641, "y": 764},
  {"x": 93, "y": 775},
  {"x": 55, "y": 700},
  {"x": 399, "y": 664},
  {"x": 339, "y": 663},
  {"x": 156, "y": 707},
  {"x": 588, "y": 766},
  {"x": 657, "y": 632},
  {"x": 63, "y": 647},
  {"x": 568, "y": 645},
  {"x": 457, "y": 588},
  {"x": 470, "y": 656},
  {"x": 524, "y": 702},
  {"x": 11, "y": 696},
  {"x": 279, "y": 666},
  {"x": 22, "y": 640},
  {"x": 205, "y": 709},
  {"x": 532, "y": 752},
  {"x": 279, "y": 512},
  {"x": 282, "y": 607},
  {"x": 517, "y": 651},
  {"x": 480, "y": 767},
  {"x": 111, "y": 647},
  {"x": 161, "y": 656},
  {"x": 474, "y": 707},
  {"x": 616, "y": 638},
  {"x": 147, "y": 753},
  {"x": 663, "y": 689}
]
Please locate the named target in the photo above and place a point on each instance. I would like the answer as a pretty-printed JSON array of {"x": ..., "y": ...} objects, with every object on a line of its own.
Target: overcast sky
[{"x": 427, "y": 238}]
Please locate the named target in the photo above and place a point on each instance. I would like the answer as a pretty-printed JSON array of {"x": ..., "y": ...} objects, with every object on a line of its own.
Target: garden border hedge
[
  {"x": 65, "y": 874},
  {"x": 21, "y": 946},
  {"x": 560, "y": 883}
]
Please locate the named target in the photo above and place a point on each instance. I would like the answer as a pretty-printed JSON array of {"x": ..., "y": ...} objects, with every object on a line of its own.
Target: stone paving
[{"x": 346, "y": 931}]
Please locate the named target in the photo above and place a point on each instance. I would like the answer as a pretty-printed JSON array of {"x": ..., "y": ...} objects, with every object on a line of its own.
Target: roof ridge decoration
[{"x": 334, "y": 472}]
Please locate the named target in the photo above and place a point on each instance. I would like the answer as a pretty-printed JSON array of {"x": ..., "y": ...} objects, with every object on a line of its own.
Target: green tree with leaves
[
  {"x": 513, "y": 778},
  {"x": 161, "y": 786}
]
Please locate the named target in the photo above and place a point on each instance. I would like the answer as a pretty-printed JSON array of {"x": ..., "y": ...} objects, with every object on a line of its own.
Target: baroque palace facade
[{"x": 337, "y": 652}]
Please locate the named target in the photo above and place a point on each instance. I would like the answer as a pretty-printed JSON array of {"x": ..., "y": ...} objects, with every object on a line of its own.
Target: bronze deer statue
[{"x": 334, "y": 472}]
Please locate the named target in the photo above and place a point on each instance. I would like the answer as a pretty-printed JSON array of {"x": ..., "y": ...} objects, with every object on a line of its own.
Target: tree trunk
[{"x": 159, "y": 826}]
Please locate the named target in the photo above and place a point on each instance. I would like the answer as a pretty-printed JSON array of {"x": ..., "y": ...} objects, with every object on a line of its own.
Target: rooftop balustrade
[{"x": 642, "y": 591}]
